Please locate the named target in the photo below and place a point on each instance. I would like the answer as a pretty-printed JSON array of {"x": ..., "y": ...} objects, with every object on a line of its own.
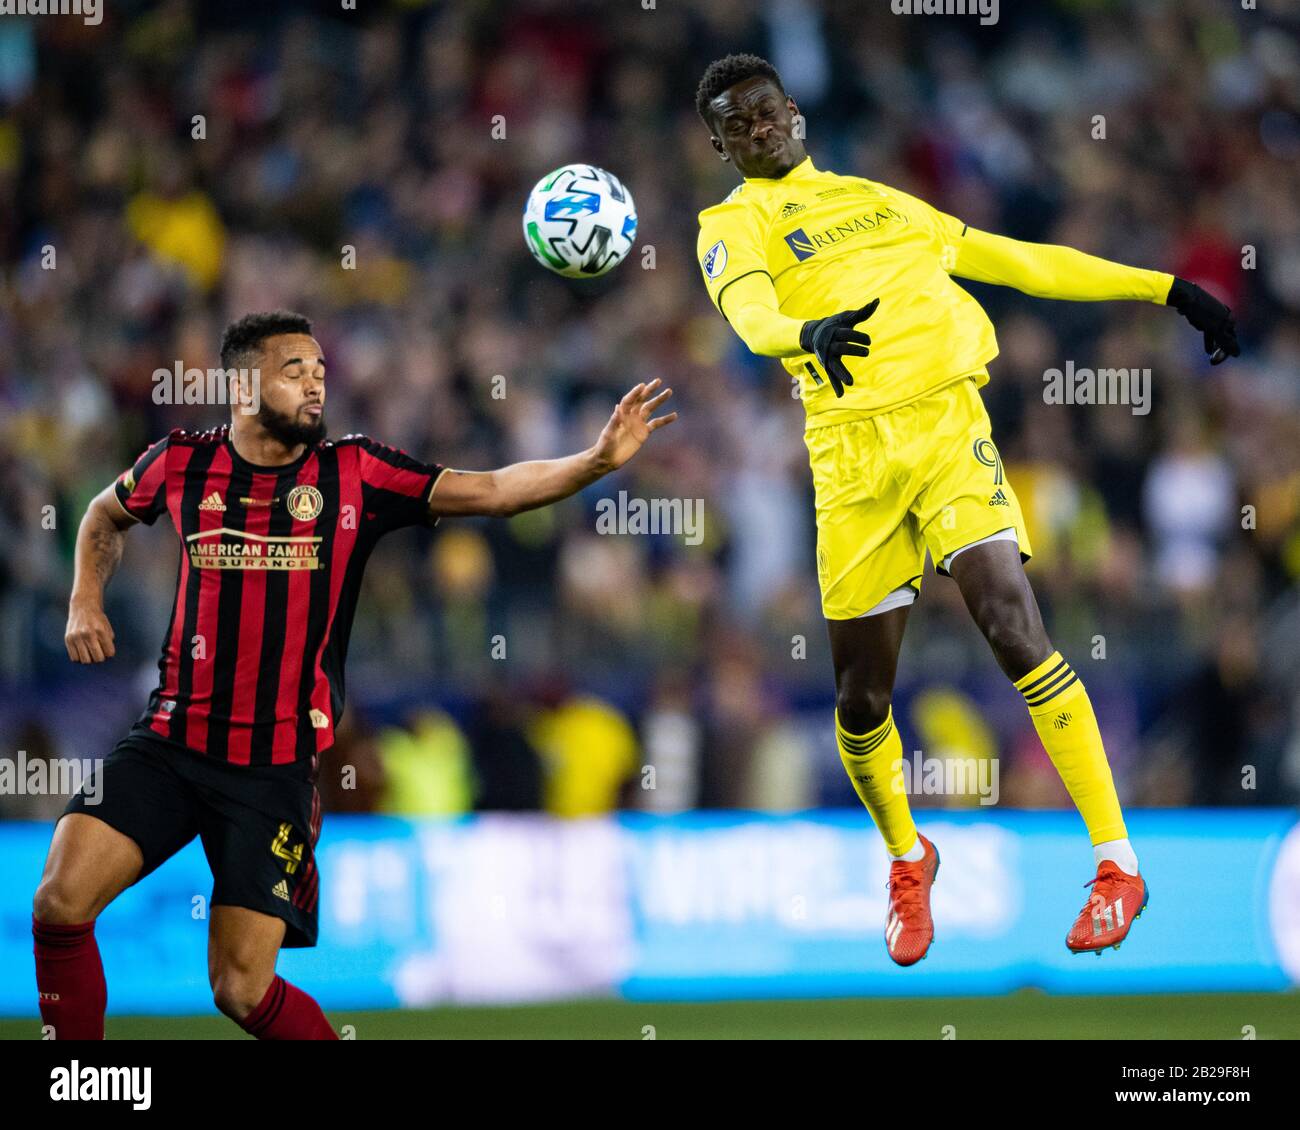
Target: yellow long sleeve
[
  {"x": 1048, "y": 270},
  {"x": 750, "y": 305},
  {"x": 1041, "y": 269}
]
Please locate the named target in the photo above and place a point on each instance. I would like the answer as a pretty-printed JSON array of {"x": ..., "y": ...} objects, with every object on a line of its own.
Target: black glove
[
  {"x": 831, "y": 339},
  {"x": 1209, "y": 315}
]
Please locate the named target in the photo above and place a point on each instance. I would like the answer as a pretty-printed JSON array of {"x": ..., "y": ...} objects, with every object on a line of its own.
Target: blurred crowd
[{"x": 184, "y": 163}]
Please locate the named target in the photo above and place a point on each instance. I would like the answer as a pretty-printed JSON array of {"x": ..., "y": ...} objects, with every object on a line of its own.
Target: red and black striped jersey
[{"x": 271, "y": 563}]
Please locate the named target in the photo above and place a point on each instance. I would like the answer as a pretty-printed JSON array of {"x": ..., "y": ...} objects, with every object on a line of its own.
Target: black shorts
[{"x": 258, "y": 824}]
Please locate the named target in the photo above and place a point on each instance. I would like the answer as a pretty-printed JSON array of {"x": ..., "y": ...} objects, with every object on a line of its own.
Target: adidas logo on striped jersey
[
  {"x": 212, "y": 502},
  {"x": 281, "y": 890}
]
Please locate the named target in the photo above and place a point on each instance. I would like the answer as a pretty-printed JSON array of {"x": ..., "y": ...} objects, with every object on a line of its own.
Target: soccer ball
[{"x": 579, "y": 221}]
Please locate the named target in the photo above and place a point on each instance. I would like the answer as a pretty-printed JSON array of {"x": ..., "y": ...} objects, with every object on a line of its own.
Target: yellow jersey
[{"x": 830, "y": 243}]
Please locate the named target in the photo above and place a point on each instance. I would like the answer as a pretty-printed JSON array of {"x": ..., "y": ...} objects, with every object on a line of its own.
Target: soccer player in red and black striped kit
[{"x": 276, "y": 524}]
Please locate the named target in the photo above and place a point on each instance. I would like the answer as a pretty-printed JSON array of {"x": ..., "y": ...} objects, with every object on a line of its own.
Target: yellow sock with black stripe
[
  {"x": 1063, "y": 716},
  {"x": 873, "y": 762}
]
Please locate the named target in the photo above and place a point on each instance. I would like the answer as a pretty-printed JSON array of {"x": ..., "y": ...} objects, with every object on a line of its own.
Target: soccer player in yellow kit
[{"x": 797, "y": 259}]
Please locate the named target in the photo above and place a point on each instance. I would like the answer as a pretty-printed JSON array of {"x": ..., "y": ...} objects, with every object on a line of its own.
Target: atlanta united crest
[{"x": 304, "y": 503}]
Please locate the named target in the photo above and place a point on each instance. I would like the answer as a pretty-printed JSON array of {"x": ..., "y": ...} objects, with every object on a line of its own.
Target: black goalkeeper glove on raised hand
[
  {"x": 1209, "y": 315},
  {"x": 834, "y": 338}
]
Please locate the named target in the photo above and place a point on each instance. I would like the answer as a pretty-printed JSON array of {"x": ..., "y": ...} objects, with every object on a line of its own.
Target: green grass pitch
[{"x": 1024, "y": 1015}]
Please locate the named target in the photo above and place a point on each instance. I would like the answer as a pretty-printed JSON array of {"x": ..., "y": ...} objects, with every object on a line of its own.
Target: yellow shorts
[{"x": 889, "y": 487}]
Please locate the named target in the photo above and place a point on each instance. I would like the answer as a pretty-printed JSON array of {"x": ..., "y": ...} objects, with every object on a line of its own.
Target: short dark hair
[
  {"x": 243, "y": 337},
  {"x": 726, "y": 72}
]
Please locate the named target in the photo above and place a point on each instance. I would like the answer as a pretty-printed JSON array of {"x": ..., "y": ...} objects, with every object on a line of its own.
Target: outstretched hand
[
  {"x": 631, "y": 424},
  {"x": 1210, "y": 316}
]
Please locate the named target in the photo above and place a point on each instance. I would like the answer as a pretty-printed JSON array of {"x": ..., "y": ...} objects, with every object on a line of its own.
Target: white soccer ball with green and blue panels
[{"x": 580, "y": 221}]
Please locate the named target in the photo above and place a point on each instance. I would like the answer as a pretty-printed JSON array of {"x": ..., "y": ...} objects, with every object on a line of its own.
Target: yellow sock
[
  {"x": 873, "y": 762},
  {"x": 1062, "y": 714}
]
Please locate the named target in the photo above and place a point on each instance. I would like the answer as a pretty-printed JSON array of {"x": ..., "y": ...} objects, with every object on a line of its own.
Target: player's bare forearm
[
  {"x": 514, "y": 489},
  {"x": 101, "y": 539},
  {"x": 528, "y": 486}
]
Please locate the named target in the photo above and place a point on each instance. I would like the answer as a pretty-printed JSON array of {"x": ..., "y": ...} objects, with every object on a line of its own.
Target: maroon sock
[
  {"x": 70, "y": 979},
  {"x": 287, "y": 1013}
]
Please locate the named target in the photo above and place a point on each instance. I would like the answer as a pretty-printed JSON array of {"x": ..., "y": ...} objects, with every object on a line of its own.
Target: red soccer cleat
[
  {"x": 909, "y": 929},
  {"x": 1116, "y": 902}
]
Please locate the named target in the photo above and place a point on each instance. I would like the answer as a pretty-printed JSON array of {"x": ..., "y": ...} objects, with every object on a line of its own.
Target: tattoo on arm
[
  {"x": 106, "y": 544},
  {"x": 99, "y": 551}
]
